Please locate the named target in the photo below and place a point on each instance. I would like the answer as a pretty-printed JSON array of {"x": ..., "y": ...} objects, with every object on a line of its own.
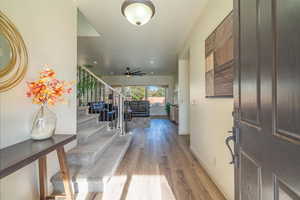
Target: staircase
[{"x": 99, "y": 151}]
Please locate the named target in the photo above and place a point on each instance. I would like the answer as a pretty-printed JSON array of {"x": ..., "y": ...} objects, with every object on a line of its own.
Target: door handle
[{"x": 228, "y": 139}]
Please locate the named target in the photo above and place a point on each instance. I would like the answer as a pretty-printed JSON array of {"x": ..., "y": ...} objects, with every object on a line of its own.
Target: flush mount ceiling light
[{"x": 138, "y": 12}]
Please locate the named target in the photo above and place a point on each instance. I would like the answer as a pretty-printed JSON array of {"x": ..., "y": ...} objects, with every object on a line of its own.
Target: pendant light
[{"x": 138, "y": 12}]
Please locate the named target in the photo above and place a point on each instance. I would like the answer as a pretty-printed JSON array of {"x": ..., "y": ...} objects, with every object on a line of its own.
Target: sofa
[
  {"x": 107, "y": 112},
  {"x": 139, "y": 108}
]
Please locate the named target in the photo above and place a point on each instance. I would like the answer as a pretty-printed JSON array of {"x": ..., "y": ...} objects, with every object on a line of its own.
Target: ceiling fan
[{"x": 135, "y": 72}]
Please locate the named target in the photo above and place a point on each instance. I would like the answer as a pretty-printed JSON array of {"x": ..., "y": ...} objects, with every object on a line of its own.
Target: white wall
[
  {"x": 144, "y": 81},
  {"x": 210, "y": 119},
  {"x": 84, "y": 29},
  {"x": 175, "y": 91},
  {"x": 183, "y": 96},
  {"x": 49, "y": 30}
]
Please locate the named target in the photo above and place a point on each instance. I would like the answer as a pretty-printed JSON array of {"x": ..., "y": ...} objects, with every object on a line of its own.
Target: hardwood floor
[{"x": 159, "y": 166}]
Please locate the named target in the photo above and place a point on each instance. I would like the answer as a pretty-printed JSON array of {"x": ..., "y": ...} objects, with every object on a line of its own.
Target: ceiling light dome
[{"x": 138, "y": 12}]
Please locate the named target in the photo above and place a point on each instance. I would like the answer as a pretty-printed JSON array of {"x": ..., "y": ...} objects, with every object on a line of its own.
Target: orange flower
[
  {"x": 47, "y": 73},
  {"x": 48, "y": 89}
]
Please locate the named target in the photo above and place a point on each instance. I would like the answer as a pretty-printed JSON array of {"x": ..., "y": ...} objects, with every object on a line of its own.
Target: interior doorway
[{"x": 156, "y": 95}]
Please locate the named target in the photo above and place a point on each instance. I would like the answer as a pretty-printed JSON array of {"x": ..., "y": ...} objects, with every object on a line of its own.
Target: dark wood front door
[{"x": 267, "y": 99}]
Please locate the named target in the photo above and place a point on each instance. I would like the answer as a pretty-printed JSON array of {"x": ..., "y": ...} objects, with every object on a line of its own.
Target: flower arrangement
[{"x": 48, "y": 89}]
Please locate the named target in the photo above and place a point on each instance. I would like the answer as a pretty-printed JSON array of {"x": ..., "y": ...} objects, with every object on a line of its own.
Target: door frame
[{"x": 236, "y": 92}]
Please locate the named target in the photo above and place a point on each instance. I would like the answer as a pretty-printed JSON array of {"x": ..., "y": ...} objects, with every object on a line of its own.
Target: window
[
  {"x": 138, "y": 93},
  {"x": 135, "y": 93},
  {"x": 126, "y": 92},
  {"x": 156, "y": 95}
]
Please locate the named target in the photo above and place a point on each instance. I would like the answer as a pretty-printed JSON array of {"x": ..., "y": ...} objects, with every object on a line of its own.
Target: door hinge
[{"x": 236, "y": 114}]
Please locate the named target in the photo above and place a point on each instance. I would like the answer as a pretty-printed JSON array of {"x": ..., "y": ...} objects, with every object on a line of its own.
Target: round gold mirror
[
  {"x": 5, "y": 54},
  {"x": 13, "y": 55}
]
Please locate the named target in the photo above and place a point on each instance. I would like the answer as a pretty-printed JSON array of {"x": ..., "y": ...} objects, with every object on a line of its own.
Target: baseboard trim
[
  {"x": 205, "y": 167},
  {"x": 184, "y": 133}
]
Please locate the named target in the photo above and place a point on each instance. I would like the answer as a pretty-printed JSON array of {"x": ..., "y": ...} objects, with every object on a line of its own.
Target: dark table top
[{"x": 14, "y": 157}]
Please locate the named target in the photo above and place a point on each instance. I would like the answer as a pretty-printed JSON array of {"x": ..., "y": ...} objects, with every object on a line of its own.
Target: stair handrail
[
  {"x": 100, "y": 80},
  {"x": 122, "y": 98}
]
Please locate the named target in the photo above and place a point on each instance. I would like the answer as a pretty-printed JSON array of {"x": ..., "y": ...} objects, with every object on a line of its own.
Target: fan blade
[
  {"x": 136, "y": 72},
  {"x": 136, "y": 69},
  {"x": 141, "y": 74}
]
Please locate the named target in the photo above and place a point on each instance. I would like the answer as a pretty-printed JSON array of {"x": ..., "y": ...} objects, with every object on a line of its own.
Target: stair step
[
  {"x": 89, "y": 152},
  {"x": 93, "y": 178},
  {"x": 82, "y": 119},
  {"x": 82, "y": 110},
  {"x": 87, "y": 129}
]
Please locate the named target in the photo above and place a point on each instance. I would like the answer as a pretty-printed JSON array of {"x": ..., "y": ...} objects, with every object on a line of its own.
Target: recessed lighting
[{"x": 95, "y": 62}]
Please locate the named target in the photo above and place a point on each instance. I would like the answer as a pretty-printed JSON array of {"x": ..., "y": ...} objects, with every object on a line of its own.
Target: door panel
[
  {"x": 267, "y": 99},
  {"x": 251, "y": 178},
  {"x": 249, "y": 133},
  {"x": 250, "y": 100},
  {"x": 287, "y": 68}
]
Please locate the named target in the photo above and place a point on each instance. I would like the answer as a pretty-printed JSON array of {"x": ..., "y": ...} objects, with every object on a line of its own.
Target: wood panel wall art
[{"x": 220, "y": 60}]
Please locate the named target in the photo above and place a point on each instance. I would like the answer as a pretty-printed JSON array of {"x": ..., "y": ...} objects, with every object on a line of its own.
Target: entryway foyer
[
  {"x": 159, "y": 166},
  {"x": 149, "y": 100}
]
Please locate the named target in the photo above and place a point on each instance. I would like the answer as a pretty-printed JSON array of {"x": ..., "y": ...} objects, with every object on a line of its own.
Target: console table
[{"x": 15, "y": 157}]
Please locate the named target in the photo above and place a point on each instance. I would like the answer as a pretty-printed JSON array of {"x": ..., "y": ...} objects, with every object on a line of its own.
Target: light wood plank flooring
[{"x": 159, "y": 166}]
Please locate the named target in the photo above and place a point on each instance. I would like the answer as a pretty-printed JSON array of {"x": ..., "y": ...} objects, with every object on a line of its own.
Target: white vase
[{"x": 44, "y": 124}]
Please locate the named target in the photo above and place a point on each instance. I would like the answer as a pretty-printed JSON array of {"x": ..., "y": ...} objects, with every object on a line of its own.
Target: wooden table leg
[
  {"x": 65, "y": 173},
  {"x": 43, "y": 177}
]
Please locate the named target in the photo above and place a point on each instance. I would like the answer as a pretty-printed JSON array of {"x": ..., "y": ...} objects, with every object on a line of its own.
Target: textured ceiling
[{"x": 152, "y": 47}]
